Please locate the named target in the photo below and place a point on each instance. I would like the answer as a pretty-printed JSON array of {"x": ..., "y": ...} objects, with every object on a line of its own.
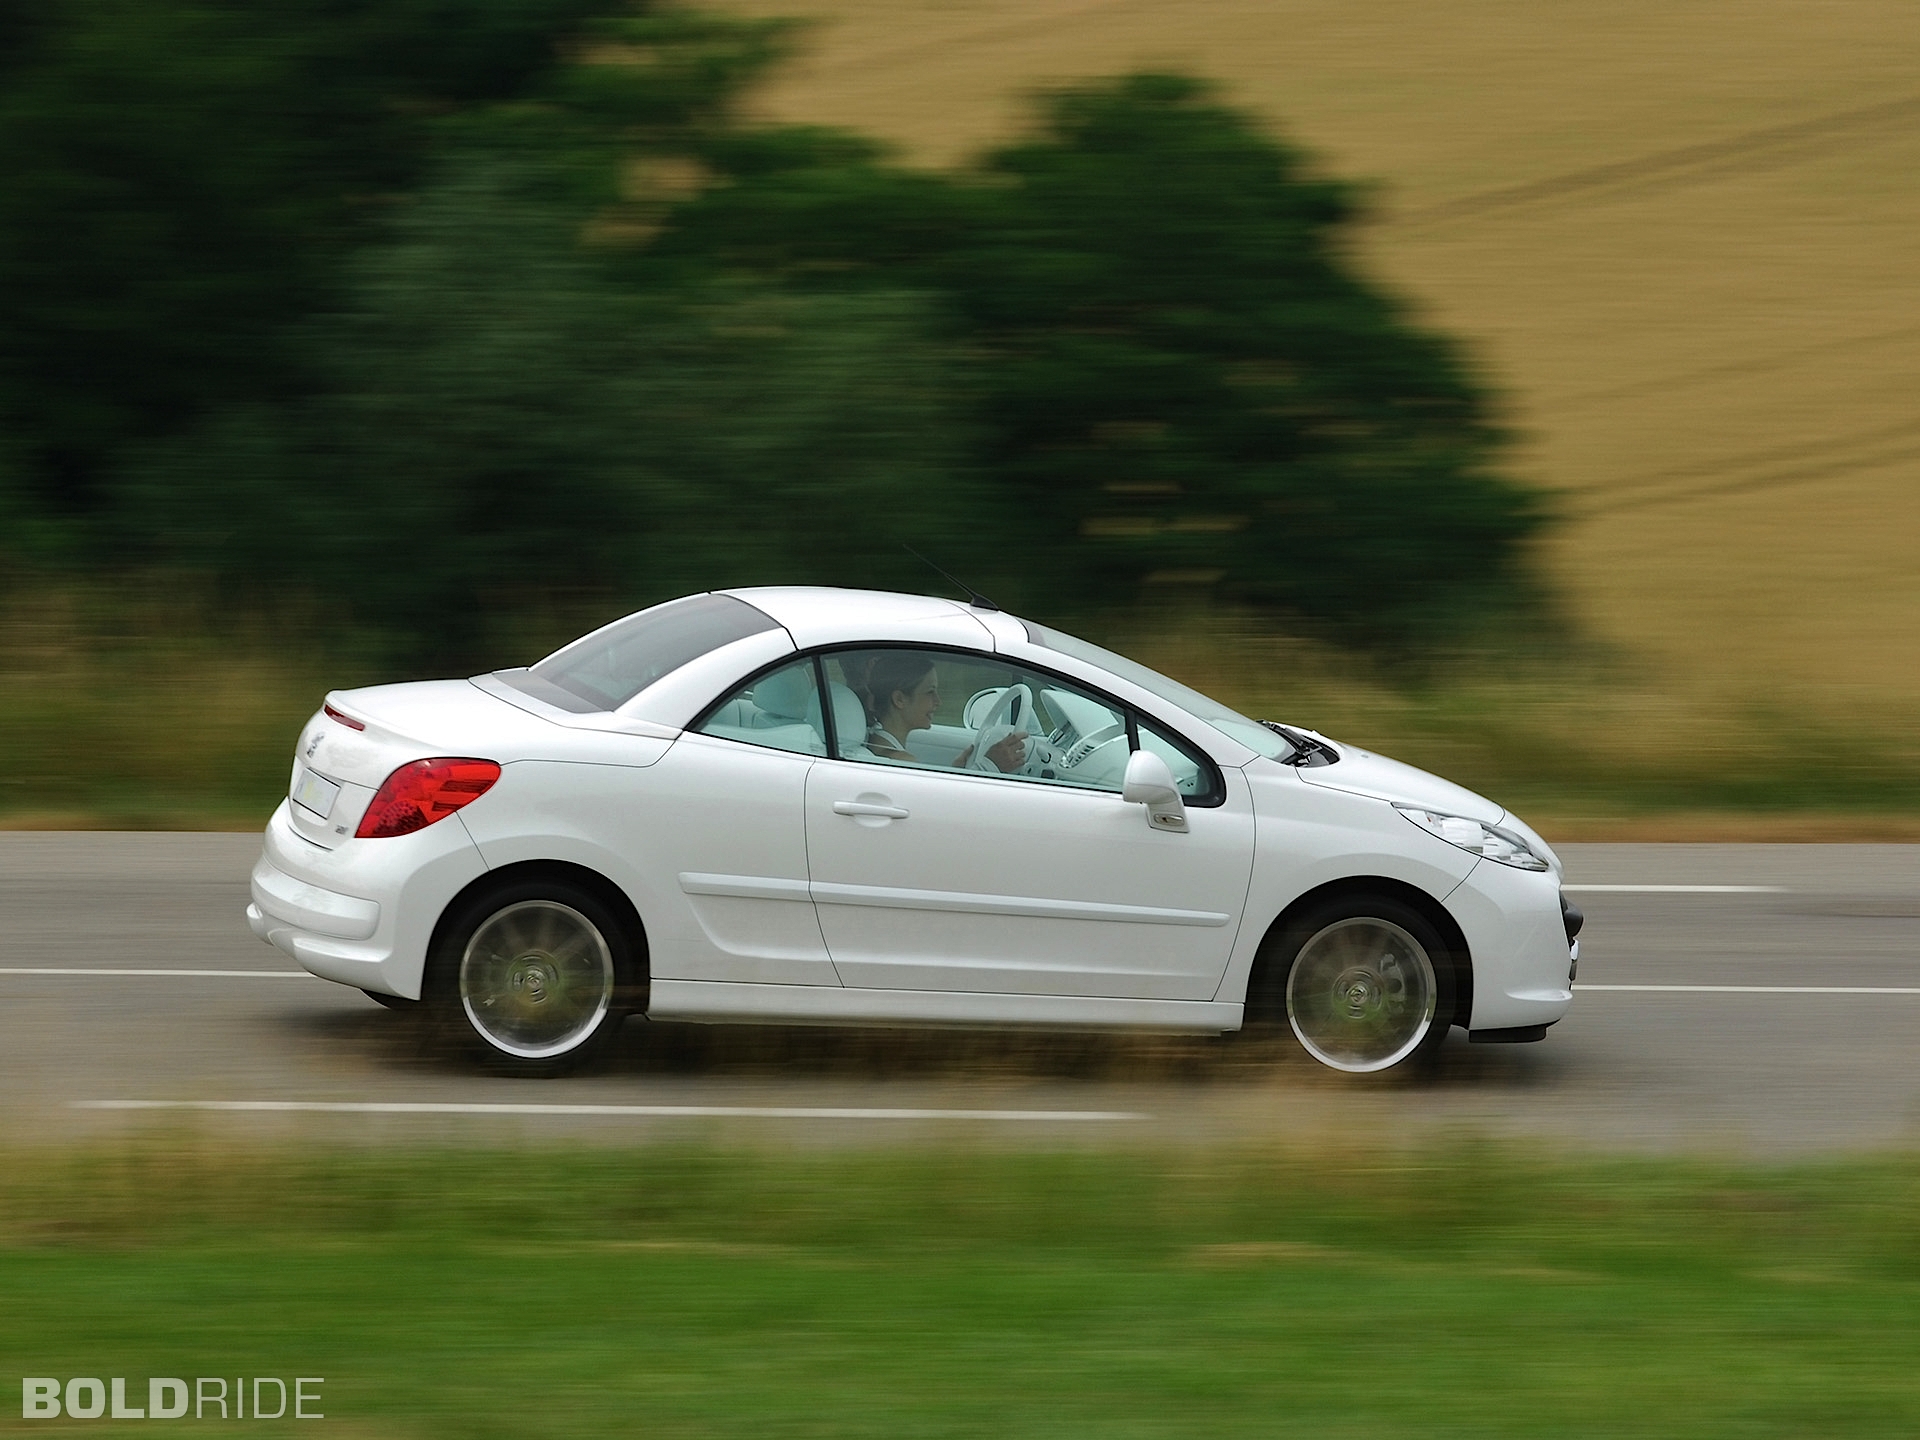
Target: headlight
[{"x": 1503, "y": 847}]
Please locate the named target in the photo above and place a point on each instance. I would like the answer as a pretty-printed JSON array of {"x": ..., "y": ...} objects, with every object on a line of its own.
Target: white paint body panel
[
  {"x": 815, "y": 1005},
  {"x": 1361, "y": 772},
  {"x": 992, "y": 901},
  {"x": 1015, "y": 888},
  {"x": 815, "y": 617},
  {"x": 1522, "y": 962},
  {"x": 408, "y": 881},
  {"x": 1315, "y": 835},
  {"x": 707, "y": 807}
]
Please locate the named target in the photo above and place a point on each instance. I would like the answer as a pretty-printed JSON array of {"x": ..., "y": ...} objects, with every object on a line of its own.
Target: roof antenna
[{"x": 974, "y": 597}]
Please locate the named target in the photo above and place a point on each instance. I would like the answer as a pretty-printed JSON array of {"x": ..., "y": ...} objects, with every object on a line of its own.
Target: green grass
[
  {"x": 142, "y": 706},
  {"x": 974, "y": 1292}
]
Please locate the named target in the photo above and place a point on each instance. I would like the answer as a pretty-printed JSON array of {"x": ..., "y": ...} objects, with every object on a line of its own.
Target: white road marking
[
  {"x": 1685, "y": 889},
  {"x": 755, "y": 1112},
  {"x": 204, "y": 974},
  {"x": 1763, "y": 989}
]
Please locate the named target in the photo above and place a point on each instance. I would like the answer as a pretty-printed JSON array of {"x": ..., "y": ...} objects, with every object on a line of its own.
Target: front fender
[{"x": 1307, "y": 837}]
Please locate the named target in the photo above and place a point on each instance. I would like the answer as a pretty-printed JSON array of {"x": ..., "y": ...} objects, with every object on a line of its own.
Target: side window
[
  {"x": 941, "y": 709},
  {"x": 898, "y": 706},
  {"x": 780, "y": 710},
  {"x": 1192, "y": 776}
]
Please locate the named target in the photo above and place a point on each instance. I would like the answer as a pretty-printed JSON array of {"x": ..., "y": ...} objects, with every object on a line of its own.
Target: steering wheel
[{"x": 998, "y": 723}]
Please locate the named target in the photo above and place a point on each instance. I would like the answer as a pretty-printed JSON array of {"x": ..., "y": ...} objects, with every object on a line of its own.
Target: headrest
[
  {"x": 786, "y": 692},
  {"x": 849, "y": 719}
]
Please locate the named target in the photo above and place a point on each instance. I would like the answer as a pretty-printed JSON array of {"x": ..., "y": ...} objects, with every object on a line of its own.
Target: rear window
[{"x": 604, "y": 670}]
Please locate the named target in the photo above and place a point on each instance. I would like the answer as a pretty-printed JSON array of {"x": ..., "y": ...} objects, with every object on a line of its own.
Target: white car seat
[
  {"x": 849, "y": 721},
  {"x": 775, "y": 712},
  {"x": 783, "y": 697}
]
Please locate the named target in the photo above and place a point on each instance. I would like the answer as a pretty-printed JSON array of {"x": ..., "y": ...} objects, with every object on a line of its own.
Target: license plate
[{"x": 315, "y": 793}]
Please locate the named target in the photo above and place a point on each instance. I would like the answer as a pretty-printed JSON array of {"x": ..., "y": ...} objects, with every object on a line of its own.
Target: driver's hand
[{"x": 1010, "y": 752}]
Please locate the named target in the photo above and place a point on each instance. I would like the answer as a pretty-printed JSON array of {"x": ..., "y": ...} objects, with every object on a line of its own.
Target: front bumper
[
  {"x": 363, "y": 912},
  {"x": 1517, "y": 935}
]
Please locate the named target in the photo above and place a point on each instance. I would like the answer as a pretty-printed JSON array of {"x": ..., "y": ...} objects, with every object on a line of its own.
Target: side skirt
[{"x": 719, "y": 1002}]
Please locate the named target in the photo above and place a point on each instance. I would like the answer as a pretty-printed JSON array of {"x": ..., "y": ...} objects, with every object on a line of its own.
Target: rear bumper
[
  {"x": 362, "y": 913},
  {"x": 300, "y": 906}
]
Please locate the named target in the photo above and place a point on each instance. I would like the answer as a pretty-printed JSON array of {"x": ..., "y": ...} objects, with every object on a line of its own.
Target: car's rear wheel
[
  {"x": 1364, "y": 983},
  {"x": 531, "y": 975}
]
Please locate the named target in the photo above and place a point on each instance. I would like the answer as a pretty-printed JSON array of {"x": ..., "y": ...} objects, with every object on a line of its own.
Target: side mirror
[{"x": 1150, "y": 783}]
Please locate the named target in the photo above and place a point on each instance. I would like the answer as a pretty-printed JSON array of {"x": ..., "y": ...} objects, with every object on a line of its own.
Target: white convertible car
[{"x": 828, "y": 806}]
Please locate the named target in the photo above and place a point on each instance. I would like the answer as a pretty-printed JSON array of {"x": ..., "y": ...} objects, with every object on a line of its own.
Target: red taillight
[
  {"x": 416, "y": 795},
  {"x": 346, "y": 720}
]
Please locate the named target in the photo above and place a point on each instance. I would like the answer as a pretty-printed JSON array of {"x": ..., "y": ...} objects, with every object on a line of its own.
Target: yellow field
[{"x": 1682, "y": 236}]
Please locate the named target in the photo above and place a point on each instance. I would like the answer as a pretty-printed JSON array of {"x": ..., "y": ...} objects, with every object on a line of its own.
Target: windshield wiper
[{"x": 1307, "y": 751}]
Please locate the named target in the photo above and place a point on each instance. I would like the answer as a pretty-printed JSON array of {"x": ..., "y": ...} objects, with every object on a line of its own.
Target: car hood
[{"x": 1361, "y": 772}]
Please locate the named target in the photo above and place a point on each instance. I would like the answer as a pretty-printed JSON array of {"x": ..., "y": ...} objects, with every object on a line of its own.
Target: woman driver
[{"x": 901, "y": 694}]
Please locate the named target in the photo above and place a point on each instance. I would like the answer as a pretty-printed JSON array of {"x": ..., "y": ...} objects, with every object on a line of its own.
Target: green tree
[
  {"x": 443, "y": 307},
  {"x": 184, "y": 180},
  {"x": 1176, "y": 373},
  {"x": 1189, "y": 381},
  {"x": 501, "y": 425}
]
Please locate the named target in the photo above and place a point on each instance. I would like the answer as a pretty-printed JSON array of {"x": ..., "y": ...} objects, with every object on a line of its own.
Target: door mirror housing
[{"x": 1150, "y": 783}]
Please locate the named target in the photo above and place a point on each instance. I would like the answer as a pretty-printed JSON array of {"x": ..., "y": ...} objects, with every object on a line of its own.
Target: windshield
[
  {"x": 1231, "y": 723},
  {"x": 606, "y": 669}
]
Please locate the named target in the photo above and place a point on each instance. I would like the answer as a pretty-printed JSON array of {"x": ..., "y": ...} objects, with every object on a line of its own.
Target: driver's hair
[{"x": 874, "y": 678}]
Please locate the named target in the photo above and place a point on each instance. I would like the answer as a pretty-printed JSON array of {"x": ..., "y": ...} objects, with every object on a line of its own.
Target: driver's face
[{"x": 917, "y": 711}]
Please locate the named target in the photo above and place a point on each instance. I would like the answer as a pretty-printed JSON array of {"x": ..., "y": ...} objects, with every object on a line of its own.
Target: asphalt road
[{"x": 1790, "y": 1032}]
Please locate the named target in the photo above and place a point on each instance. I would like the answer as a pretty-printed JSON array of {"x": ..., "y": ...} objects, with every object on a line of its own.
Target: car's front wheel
[
  {"x": 531, "y": 975},
  {"x": 1364, "y": 982}
]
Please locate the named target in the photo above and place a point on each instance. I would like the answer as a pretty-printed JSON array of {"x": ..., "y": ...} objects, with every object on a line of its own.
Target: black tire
[
  {"x": 533, "y": 977},
  {"x": 392, "y": 1002},
  {"x": 1364, "y": 983}
]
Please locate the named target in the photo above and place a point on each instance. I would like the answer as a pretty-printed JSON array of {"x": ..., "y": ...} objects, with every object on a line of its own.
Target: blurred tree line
[{"x": 439, "y": 310}]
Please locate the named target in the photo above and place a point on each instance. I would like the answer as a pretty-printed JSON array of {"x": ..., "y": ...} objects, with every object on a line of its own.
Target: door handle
[{"x": 863, "y": 807}]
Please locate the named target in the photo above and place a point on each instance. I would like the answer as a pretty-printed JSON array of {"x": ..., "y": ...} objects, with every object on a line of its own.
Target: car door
[
  {"x": 931, "y": 875},
  {"x": 726, "y": 821}
]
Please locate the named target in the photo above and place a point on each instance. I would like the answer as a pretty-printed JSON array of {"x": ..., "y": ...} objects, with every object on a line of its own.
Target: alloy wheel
[
  {"x": 1361, "y": 994},
  {"x": 536, "y": 979}
]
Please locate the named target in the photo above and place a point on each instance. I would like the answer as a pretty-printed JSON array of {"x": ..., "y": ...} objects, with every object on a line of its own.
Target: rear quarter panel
[{"x": 708, "y": 807}]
